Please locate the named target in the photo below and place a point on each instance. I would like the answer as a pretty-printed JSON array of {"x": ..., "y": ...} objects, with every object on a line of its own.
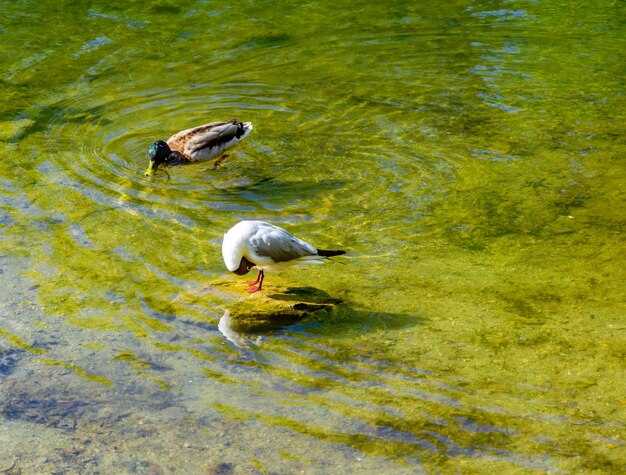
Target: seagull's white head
[
  {"x": 234, "y": 249},
  {"x": 230, "y": 254}
]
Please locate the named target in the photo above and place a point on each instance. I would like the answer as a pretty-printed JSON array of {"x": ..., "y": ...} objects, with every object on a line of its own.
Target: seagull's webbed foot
[
  {"x": 252, "y": 285},
  {"x": 259, "y": 278}
]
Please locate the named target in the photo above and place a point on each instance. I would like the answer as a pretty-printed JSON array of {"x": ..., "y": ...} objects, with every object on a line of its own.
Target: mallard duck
[
  {"x": 197, "y": 144},
  {"x": 262, "y": 245}
]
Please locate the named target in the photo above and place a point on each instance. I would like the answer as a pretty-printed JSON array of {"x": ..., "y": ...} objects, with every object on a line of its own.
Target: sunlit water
[{"x": 469, "y": 156}]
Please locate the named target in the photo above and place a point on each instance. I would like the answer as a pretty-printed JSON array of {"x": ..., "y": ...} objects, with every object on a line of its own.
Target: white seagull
[{"x": 262, "y": 245}]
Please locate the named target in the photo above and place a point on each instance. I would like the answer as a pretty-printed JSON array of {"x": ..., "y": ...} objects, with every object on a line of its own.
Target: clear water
[{"x": 469, "y": 156}]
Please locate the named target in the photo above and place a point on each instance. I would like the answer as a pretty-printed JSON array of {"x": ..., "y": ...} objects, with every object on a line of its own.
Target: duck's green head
[{"x": 157, "y": 153}]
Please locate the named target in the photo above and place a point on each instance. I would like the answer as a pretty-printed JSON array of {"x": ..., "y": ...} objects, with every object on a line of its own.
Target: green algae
[
  {"x": 290, "y": 456},
  {"x": 469, "y": 158},
  {"x": 80, "y": 372},
  {"x": 94, "y": 346},
  {"x": 219, "y": 377},
  {"x": 140, "y": 366},
  {"x": 361, "y": 442},
  {"x": 20, "y": 343}
]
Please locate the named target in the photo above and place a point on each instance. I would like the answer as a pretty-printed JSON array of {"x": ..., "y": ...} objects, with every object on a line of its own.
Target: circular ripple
[{"x": 101, "y": 140}]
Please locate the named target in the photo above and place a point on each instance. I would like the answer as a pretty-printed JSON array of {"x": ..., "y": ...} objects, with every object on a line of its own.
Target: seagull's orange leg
[
  {"x": 255, "y": 288},
  {"x": 254, "y": 282}
]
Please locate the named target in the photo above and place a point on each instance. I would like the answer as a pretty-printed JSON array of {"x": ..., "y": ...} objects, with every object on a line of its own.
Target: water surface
[{"x": 469, "y": 156}]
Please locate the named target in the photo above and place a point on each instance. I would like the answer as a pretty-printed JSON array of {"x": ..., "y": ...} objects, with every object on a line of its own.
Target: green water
[{"x": 468, "y": 155}]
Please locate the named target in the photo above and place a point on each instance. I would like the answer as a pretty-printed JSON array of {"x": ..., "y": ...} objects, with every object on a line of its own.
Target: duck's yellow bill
[{"x": 150, "y": 170}]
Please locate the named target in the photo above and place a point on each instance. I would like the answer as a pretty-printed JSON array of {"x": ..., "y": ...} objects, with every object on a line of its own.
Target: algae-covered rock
[{"x": 272, "y": 308}]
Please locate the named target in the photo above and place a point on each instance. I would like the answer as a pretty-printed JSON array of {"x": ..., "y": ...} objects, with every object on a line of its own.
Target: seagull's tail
[{"x": 323, "y": 253}]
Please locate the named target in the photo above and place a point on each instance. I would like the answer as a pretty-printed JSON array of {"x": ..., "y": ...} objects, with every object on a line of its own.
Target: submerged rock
[{"x": 245, "y": 316}]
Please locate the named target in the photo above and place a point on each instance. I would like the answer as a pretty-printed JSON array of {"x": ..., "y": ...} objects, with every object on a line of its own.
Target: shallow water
[{"x": 469, "y": 156}]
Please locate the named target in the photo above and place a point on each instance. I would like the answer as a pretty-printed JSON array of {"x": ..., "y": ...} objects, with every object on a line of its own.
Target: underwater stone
[{"x": 277, "y": 305}]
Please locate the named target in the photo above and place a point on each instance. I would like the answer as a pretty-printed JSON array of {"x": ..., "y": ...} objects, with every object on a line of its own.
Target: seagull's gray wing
[{"x": 280, "y": 246}]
